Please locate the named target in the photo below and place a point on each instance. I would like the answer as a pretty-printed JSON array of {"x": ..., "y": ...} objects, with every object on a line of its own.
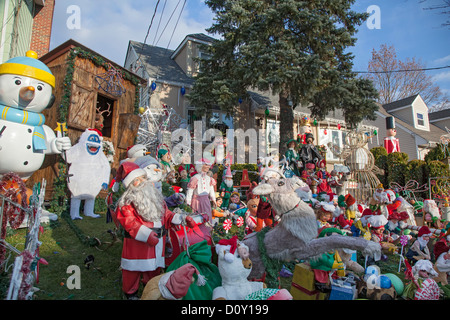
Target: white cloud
[
  {"x": 442, "y": 76},
  {"x": 442, "y": 61}
]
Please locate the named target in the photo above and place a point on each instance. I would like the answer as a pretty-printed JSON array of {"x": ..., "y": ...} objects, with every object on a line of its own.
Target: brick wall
[{"x": 42, "y": 28}]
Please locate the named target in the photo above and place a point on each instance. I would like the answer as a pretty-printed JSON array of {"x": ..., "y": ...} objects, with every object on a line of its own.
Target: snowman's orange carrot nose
[{"x": 27, "y": 93}]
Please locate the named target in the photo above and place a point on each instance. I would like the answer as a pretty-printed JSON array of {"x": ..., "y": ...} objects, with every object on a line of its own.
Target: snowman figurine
[
  {"x": 88, "y": 172},
  {"x": 26, "y": 86}
]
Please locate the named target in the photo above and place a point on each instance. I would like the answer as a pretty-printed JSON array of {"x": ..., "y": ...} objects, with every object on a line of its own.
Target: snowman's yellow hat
[{"x": 28, "y": 66}]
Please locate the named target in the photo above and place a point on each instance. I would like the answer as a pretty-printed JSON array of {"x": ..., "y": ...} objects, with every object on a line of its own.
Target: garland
[
  {"x": 11, "y": 213},
  {"x": 60, "y": 205},
  {"x": 272, "y": 266}
]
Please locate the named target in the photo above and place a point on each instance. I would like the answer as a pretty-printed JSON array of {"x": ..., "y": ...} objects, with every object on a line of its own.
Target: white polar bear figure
[
  {"x": 88, "y": 173},
  {"x": 234, "y": 267},
  {"x": 26, "y": 86}
]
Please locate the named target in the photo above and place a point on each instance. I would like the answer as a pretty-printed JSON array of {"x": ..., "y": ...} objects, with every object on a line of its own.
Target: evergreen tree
[{"x": 293, "y": 49}]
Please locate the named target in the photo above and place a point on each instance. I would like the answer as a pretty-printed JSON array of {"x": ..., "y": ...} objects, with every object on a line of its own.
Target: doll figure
[
  {"x": 293, "y": 157},
  {"x": 324, "y": 215},
  {"x": 309, "y": 153},
  {"x": 200, "y": 190},
  {"x": 235, "y": 201},
  {"x": 423, "y": 286},
  {"x": 419, "y": 249},
  {"x": 250, "y": 215}
]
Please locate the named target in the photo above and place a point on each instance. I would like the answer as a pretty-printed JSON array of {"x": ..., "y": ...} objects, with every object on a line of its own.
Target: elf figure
[
  {"x": 419, "y": 249},
  {"x": 391, "y": 143},
  {"x": 165, "y": 159},
  {"x": 88, "y": 173},
  {"x": 143, "y": 213},
  {"x": 226, "y": 188}
]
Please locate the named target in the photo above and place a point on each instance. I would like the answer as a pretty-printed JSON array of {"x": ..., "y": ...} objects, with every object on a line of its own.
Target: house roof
[
  {"x": 159, "y": 65},
  {"x": 432, "y": 136},
  {"x": 70, "y": 44},
  {"x": 400, "y": 103},
  {"x": 439, "y": 115}
]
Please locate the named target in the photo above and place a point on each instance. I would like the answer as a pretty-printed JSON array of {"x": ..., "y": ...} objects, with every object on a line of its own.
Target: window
[
  {"x": 420, "y": 120},
  {"x": 333, "y": 140},
  {"x": 104, "y": 115}
]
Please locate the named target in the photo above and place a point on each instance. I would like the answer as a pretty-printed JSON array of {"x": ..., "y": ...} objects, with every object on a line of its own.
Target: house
[
  {"x": 26, "y": 25},
  {"x": 416, "y": 132},
  {"x": 81, "y": 93},
  {"x": 169, "y": 75},
  {"x": 440, "y": 119}
]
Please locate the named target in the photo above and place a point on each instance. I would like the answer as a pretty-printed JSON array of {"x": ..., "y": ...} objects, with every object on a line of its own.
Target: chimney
[{"x": 42, "y": 27}]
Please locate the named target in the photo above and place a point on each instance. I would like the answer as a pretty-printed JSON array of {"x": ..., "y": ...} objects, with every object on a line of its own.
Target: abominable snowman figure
[
  {"x": 88, "y": 173},
  {"x": 26, "y": 86}
]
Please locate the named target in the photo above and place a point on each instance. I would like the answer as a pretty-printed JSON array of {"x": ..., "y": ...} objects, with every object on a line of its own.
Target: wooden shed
[{"x": 86, "y": 84}]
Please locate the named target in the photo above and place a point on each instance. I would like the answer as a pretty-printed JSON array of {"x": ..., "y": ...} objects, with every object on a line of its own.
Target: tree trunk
[{"x": 286, "y": 122}]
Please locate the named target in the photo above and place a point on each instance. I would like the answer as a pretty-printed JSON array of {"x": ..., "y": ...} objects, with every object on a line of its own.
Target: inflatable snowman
[
  {"x": 26, "y": 86},
  {"x": 88, "y": 172}
]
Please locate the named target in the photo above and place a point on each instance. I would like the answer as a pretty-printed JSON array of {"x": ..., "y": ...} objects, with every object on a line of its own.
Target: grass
[{"x": 62, "y": 246}]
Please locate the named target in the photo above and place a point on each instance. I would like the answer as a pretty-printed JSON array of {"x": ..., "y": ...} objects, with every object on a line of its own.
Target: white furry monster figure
[{"x": 88, "y": 173}]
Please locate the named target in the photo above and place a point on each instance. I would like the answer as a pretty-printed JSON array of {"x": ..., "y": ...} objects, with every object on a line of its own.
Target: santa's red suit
[
  {"x": 391, "y": 144},
  {"x": 143, "y": 251}
]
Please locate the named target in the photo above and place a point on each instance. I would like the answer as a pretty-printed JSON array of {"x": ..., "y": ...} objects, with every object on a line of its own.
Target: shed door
[{"x": 82, "y": 108}]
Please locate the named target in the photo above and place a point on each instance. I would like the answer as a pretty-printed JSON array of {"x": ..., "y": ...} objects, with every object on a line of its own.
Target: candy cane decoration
[
  {"x": 227, "y": 225},
  {"x": 240, "y": 222}
]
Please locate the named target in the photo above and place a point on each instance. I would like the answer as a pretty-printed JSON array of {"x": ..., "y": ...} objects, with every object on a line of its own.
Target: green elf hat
[
  {"x": 292, "y": 140},
  {"x": 28, "y": 66},
  {"x": 330, "y": 230},
  {"x": 161, "y": 153}
]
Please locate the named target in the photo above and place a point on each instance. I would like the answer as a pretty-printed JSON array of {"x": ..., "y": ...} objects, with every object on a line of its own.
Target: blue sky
[{"x": 106, "y": 26}]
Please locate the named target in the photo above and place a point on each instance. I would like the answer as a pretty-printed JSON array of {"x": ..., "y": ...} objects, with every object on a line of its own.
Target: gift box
[
  {"x": 343, "y": 289},
  {"x": 303, "y": 284}
]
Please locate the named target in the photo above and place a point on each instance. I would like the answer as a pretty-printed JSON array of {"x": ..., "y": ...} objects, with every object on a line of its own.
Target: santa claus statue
[
  {"x": 200, "y": 189},
  {"x": 391, "y": 143},
  {"x": 143, "y": 214}
]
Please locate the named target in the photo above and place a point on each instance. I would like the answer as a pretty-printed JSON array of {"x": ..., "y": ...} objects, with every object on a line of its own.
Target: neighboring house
[
  {"x": 416, "y": 133},
  {"x": 440, "y": 119},
  {"x": 26, "y": 25}
]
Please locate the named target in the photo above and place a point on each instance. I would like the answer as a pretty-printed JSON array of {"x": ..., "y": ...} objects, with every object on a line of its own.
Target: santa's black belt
[{"x": 161, "y": 232}]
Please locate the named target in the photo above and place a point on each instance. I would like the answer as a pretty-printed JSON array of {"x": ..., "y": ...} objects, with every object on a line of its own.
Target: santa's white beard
[
  {"x": 147, "y": 200},
  {"x": 228, "y": 183}
]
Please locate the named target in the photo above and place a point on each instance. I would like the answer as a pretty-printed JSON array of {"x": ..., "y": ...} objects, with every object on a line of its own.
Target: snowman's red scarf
[{"x": 27, "y": 117}]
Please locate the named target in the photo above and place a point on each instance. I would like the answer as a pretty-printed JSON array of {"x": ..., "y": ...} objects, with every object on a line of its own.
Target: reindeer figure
[
  {"x": 99, "y": 117},
  {"x": 296, "y": 235}
]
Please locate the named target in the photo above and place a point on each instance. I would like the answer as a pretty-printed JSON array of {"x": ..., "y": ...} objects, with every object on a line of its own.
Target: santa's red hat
[
  {"x": 349, "y": 200},
  {"x": 424, "y": 231},
  {"x": 367, "y": 212},
  {"x": 128, "y": 171},
  {"x": 180, "y": 280}
]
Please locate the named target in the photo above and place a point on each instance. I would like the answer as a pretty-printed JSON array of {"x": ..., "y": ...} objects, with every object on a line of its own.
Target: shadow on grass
[{"x": 68, "y": 243}]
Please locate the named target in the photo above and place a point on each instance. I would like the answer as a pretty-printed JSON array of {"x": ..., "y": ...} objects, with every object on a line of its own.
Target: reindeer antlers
[{"x": 102, "y": 112}]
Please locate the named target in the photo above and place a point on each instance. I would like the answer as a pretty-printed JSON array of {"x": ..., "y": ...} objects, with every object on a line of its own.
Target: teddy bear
[{"x": 172, "y": 285}]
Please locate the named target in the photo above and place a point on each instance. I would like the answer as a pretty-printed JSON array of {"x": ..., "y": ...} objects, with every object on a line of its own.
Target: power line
[
  {"x": 406, "y": 70},
  {"x": 148, "y": 30},
  {"x": 174, "y": 28}
]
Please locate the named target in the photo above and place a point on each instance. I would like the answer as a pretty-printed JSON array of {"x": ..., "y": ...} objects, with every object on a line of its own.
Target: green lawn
[{"x": 68, "y": 243}]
